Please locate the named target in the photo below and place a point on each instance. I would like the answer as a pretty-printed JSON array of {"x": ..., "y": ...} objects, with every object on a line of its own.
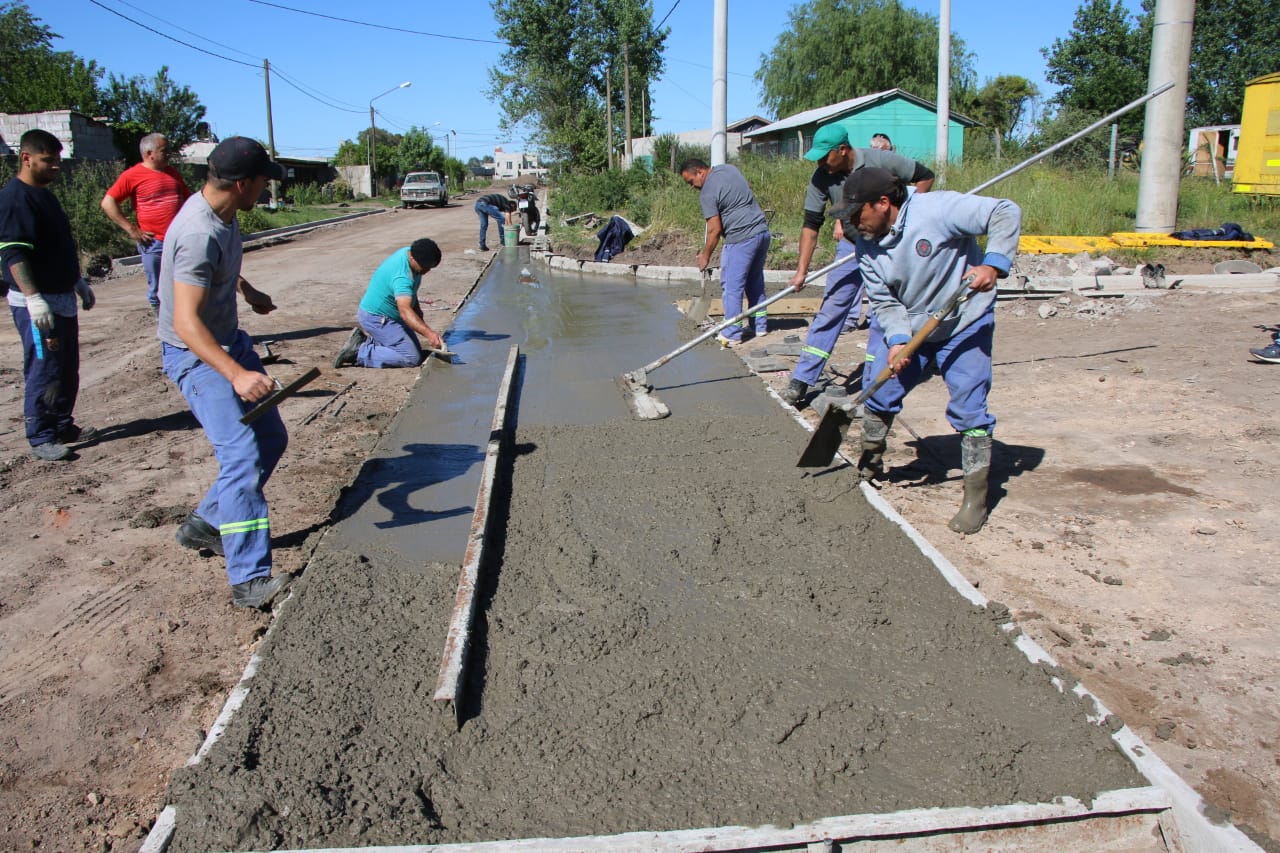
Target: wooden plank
[{"x": 458, "y": 641}]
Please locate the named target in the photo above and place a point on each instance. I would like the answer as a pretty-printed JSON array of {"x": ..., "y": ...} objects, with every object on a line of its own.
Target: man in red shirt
[{"x": 157, "y": 192}]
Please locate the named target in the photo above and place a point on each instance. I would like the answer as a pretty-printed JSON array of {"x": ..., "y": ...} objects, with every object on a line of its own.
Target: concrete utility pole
[
  {"x": 626, "y": 102},
  {"x": 944, "y": 84},
  {"x": 720, "y": 86},
  {"x": 608, "y": 117},
  {"x": 1163, "y": 134}
]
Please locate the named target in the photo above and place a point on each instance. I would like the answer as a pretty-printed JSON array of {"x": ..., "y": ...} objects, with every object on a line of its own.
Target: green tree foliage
[
  {"x": 1233, "y": 41},
  {"x": 1001, "y": 104},
  {"x": 835, "y": 50},
  {"x": 552, "y": 74},
  {"x": 138, "y": 106},
  {"x": 417, "y": 152},
  {"x": 35, "y": 77},
  {"x": 1103, "y": 62}
]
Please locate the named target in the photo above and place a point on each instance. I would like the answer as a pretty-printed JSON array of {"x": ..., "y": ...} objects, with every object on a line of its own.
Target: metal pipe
[
  {"x": 720, "y": 86},
  {"x": 1072, "y": 138},
  {"x": 1163, "y": 132}
]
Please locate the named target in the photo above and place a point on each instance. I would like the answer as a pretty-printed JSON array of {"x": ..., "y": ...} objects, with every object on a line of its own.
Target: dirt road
[{"x": 1134, "y": 535}]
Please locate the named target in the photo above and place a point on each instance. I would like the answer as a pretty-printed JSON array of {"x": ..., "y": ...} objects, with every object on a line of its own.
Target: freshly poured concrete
[{"x": 680, "y": 628}]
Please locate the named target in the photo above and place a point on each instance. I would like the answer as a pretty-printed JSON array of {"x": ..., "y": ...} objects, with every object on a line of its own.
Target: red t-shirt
[{"x": 157, "y": 195}]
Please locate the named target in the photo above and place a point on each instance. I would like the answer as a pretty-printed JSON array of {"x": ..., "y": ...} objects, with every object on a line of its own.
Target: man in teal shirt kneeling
[{"x": 390, "y": 316}]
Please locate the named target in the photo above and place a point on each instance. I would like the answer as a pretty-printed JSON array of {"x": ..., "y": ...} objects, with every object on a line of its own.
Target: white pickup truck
[{"x": 421, "y": 188}]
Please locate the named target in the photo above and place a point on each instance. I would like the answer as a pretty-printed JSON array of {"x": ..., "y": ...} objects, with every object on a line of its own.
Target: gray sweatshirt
[{"x": 918, "y": 266}]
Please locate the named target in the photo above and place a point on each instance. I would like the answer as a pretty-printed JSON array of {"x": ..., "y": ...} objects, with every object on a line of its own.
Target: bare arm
[
  {"x": 250, "y": 385},
  {"x": 411, "y": 316},
  {"x": 808, "y": 242},
  {"x": 924, "y": 186},
  {"x": 714, "y": 230},
  {"x": 115, "y": 213},
  {"x": 21, "y": 272}
]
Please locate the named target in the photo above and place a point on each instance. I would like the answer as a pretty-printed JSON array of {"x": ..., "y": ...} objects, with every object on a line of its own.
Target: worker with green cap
[{"x": 836, "y": 160}]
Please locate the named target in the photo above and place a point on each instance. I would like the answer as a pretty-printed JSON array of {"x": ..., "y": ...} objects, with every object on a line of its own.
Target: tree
[
  {"x": 1233, "y": 41},
  {"x": 835, "y": 50},
  {"x": 1000, "y": 105},
  {"x": 552, "y": 74},
  {"x": 417, "y": 152},
  {"x": 138, "y": 106},
  {"x": 1103, "y": 63},
  {"x": 35, "y": 77}
]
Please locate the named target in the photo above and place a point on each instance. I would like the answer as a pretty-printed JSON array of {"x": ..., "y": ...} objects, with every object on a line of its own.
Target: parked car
[{"x": 421, "y": 188}]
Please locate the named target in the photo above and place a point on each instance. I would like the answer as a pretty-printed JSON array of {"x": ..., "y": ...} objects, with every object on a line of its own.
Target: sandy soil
[{"x": 1134, "y": 531}]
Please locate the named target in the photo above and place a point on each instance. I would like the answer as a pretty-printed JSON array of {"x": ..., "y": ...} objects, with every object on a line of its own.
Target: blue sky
[{"x": 326, "y": 71}]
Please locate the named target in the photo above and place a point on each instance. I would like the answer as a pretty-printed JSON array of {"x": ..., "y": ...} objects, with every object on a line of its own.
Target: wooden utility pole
[
  {"x": 626, "y": 102},
  {"x": 271, "y": 134}
]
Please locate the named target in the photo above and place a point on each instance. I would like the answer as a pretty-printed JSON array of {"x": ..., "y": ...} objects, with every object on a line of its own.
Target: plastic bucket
[{"x": 511, "y": 235}]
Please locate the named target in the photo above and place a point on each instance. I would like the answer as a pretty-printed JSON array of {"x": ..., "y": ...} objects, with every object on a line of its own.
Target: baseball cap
[
  {"x": 239, "y": 158},
  {"x": 827, "y": 137},
  {"x": 865, "y": 185}
]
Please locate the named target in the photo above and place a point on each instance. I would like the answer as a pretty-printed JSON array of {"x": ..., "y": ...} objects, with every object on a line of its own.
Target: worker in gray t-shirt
[{"x": 731, "y": 212}]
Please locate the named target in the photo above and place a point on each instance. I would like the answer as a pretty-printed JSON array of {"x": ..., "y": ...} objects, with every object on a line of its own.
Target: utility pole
[
  {"x": 944, "y": 85},
  {"x": 271, "y": 134},
  {"x": 608, "y": 117},
  {"x": 720, "y": 85},
  {"x": 1163, "y": 135},
  {"x": 626, "y": 101}
]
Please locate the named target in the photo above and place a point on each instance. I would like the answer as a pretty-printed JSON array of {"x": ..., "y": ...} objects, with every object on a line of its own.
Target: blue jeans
[
  {"x": 150, "y": 255},
  {"x": 742, "y": 275},
  {"x": 51, "y": 373},
  {"x": 487, "y": 212},
  {"x": 235, "y": 503},
  {"x": 844, "y": 290},
  {"x": 964, "y": 360},
  {"x": 391, "y": 343}
]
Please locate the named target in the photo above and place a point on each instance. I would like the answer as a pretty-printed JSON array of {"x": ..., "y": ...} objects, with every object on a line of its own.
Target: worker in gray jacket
[{"x": 916, "y": 252}]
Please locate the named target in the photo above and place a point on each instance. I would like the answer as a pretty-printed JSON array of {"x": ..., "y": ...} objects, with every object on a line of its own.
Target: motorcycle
[{"x": 526, "y": 196}]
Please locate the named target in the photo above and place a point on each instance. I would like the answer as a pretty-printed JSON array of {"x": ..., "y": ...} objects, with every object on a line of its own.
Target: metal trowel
[{"x": 699, "y": 307}]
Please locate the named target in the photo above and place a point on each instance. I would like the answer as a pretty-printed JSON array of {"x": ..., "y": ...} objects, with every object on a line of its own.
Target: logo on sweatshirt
[{"x": 923, "y": 248}]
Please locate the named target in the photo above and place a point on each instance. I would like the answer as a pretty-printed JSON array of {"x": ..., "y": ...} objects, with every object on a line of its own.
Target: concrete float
[{"x": 404, "y": 517}]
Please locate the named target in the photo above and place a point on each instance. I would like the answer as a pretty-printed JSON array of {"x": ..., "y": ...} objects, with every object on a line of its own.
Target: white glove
[
  {"x": 41, "y": 316},
  {"x": 85, "y": 292}
]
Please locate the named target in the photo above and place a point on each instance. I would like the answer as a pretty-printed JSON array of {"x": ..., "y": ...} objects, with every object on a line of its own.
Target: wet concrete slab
[{"x": 576, "y": 334}]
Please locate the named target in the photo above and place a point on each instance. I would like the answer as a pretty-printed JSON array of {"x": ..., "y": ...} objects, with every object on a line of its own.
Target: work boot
[
  {"x": 258, "y": 593},
  {"x": 794, "y": 393},
  {"x": 197, "y": 534},
  {"x": 347, "y": 355},
  {"x": 875, "y": 439},
  {"x": 51, "y": 451},
  {"x": 75, "y": 434},
  {"x": 975, "y": 459}
]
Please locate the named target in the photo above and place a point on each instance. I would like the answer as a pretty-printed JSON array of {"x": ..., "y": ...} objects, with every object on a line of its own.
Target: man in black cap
[
  {"x": 212, "y": 361},
  {"x": 916, "y": 253},
  {"x": 390, "y": 315}
]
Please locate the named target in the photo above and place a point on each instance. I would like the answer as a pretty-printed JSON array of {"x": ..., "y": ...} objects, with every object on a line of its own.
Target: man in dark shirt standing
[
  {"x": 41, "y": 270},
  {"x": 497, "y": 206}
]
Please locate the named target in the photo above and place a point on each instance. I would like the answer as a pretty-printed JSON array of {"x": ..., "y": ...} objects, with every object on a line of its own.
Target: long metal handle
[
  {"x": 648, "y": 368},
  {"x": 1070, "y": 139}
]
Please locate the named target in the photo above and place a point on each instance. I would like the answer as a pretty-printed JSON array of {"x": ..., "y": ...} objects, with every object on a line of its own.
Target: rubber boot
[
  {"x": 975, "y": 459},
  {"x": 875, "y": 438}
]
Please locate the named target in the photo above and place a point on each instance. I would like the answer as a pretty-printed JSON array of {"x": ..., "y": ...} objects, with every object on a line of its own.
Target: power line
[
  {"x": 171, "y": 38},
  {"x": 302, "y": 87},
  {"x": 668, "y": 15},
  {"x": 375, "y": 26},
  {"x": 201, "y": 36}
]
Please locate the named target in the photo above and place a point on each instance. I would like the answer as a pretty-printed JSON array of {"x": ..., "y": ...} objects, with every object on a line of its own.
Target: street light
[{"x": 373, "y": 135}]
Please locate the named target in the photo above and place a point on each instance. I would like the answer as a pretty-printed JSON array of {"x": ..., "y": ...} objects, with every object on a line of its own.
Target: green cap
[{"x": 827, "y": 137}]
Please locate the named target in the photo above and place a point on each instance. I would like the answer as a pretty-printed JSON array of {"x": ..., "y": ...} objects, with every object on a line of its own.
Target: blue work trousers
[
  {"x": 235, "y": 503},
  {"x": 51, "y": 373},
  {"x": 150, "y": 255},
  {"x": 844, "y": 291},
  {"x": 964, "y": 360},
  {"x": 742, "y": 275},
  {"x": 391, "y": 343},
  {"x": 487, "y": 212}
]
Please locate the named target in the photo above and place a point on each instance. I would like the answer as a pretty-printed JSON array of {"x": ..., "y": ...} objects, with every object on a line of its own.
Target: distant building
[
  {"x": 297, "y": 170},
  {"x": 911, "y": 122},
  {"x": 642, "y": 147},
  {"x": 512, "y": 164},
  {"x": 82, "y": 137}
]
